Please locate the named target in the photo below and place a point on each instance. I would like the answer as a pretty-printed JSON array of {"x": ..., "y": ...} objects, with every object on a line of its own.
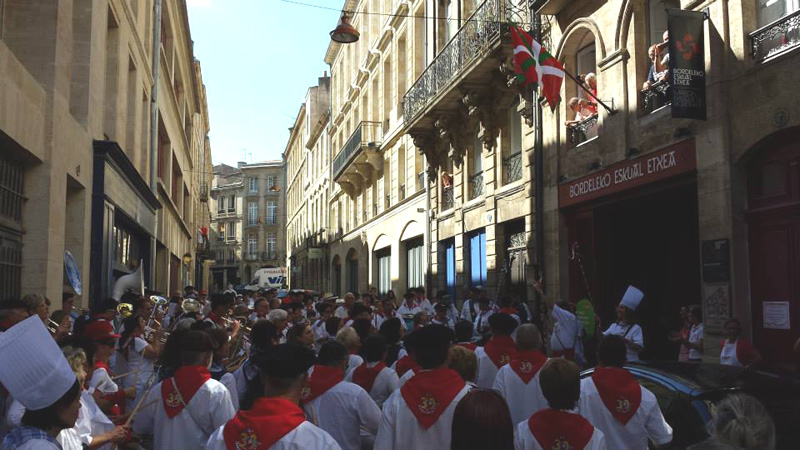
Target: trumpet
[
  {"x": 125, "y": 310},
  {"x": 53, "y": 326}
]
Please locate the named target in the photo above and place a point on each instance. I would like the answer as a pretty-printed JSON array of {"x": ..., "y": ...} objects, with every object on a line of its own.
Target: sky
[{"x": 258, "y": 57}]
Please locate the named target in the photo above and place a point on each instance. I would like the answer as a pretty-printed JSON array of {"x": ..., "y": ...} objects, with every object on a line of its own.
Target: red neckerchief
[
  {"x": 430, "y": 392},
  {"x": 619, "y": 391},
  {"x": 509, "y": 311},
  {"x": 527, "y": 364},
  {"x": 101, "y": 365},
  {"x": 365, "y": 376},
  {"x": 321, "y": 379},
  {"x": 558, "y": 429},
  {"x": 117, "y": 399},
  {"x": 501, "y": 350},
  {"x": 263, "y": 425},
  {"x": 189, "y": 379},
  {"x": 214, "y": 318},
  {"x": 405, "y": 364},
  {"x": 468, "y": 345}
]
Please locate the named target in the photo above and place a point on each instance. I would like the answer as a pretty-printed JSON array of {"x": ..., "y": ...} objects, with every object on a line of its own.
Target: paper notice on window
[{"x": 776, "y": 315}]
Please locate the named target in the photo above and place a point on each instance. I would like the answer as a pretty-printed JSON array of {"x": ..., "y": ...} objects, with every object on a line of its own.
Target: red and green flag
[{"x": 534, "y": 66}]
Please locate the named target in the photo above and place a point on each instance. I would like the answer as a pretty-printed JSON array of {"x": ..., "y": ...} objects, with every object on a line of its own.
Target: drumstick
[
  {"x": 116, "y": 377},
  {"x": 141, "y": 400}
]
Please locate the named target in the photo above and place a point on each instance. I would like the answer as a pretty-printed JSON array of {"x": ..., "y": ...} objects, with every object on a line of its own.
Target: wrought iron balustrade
[
  {"x": 480, "y": 31},
  {"x": 366, "y": 134},
  {"x": 513, "y": 167},
  {"x": 476, "y": 186},
  {"x": 776, "y": 38},
  {"x": 657, "y": 96},
  {"x": 448, "y": 198},
  {"x": 583, "y": 130}
]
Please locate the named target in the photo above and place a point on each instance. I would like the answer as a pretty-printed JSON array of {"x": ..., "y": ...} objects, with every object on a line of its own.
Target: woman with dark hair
[
  {"x": 301, "y": 334},
  {"x": 135, "y": 356},
  {"x": 99, "y": 343},
  {"x": 482, "y": 421},
  {"x": 263, "y": 336},
  {"x": 737, "y": 351},
  {"x": 170, "y": 358},
  {"x": 392, "y": 329}
]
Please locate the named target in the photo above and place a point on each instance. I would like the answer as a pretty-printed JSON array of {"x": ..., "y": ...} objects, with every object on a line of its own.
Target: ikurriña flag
[{"x": 533, "y": 65}]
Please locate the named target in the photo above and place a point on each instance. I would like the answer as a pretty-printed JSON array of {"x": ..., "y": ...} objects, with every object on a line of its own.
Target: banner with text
[{"x": 687, "y": 64}]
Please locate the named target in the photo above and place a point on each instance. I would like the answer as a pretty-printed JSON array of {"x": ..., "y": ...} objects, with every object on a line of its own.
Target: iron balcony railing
[
  {"x": 776, "y": 38},
  {"x": 513, "y": 167},
  {"x": 582, "y": 130},
  {"x": 448, "y": 199},
  {"x": 657, "y": 96},
  {"x": 476, "y": 186},
  {"x": 366, "y": 134},
  {"x": 478, "y": 35}
]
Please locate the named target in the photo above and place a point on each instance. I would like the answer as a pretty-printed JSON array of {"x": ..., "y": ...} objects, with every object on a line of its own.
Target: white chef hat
[
  {"x": 34, "y": 371},
  {"x": 632, "y": 298}
]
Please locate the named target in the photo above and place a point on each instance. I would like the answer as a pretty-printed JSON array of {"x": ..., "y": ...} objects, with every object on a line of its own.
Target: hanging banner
[{"x": 687, "y": 64}]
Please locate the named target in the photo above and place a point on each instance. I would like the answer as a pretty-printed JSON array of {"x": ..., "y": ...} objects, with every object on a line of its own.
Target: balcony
[
  {"x": 360, "y": 159},
  {"x": 251, "y": 256},
  {"x": 513, "y": 167},
  {"x": 776, "y": 38},
  {"x": 269, "y": 256},
  {"x": 465, "y": 56},
  {"x": 475, "y": 186},
  {"x": 657, "y": 96},
  {"x": 583, "y": 130},
  {"x": 204, "y": 192},
  {"x": 448, "y": 198}
]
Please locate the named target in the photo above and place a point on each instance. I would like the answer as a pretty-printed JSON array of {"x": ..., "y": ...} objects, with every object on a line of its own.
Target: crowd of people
[{"x": 298, "y": 370}]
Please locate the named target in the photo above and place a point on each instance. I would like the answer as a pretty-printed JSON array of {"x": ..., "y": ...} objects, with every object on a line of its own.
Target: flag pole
[{"x": 583, "y": 86}]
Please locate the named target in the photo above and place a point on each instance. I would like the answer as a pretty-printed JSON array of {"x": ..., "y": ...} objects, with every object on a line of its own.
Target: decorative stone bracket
[{"x": 481, "y": 107}]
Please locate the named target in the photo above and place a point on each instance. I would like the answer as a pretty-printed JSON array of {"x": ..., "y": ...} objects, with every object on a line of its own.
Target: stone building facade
[
  {"x": 79, "y": 171},
  {"x": 690, "y": 211},
  {"x": 263, "y": 217}
]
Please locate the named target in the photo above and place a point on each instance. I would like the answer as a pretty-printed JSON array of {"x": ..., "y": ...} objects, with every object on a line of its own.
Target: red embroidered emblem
[
  {"x": 561, "y": 443},
  {"x": 428, "y": 404},
  {"x": 248, "y": 440},
  {"x": 525, "y": 367},
  {"x": 504, "y": 359},
  {"x": 623, "y": 405},
  {"x": 173, "y": 401}
]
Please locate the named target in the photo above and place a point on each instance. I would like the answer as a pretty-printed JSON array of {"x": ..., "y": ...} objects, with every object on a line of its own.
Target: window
[
  {"x": 384, "y": 257},
  {"x": 253, "y": 182},
  {"x": 252, "y": 213},
  {"x": 231, "y": 231},
  {"x": 414, "y": 262},
  {"x": 252, "y": 246},
  {"x": 658, "y": 18},
  {"x": 221, "y": 231},
  {"x": 477, "y": 258},
  {"x": 585, "y": 63},
  {"x": 771, "y": 10},
  {"x": 272, "y": 244},
  {"x": 272, "y": 213},
  {"x": 221, "y": 204},
  {"x": 512, "y": 162},
  {"x": 476, "y": 169},
  {"x": 271, "y": 182},
  {"x": 232, "y": 203}
]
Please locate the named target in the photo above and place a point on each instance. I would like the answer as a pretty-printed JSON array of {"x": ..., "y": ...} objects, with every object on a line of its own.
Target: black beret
[
  {"x": 433, "y": 335},
  {"x": 285, "y": 361},
  {"x": 502, "y": 323}
]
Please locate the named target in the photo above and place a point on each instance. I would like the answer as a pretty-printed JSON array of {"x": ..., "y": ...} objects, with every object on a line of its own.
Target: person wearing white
[
  {"x": 469, "y": 308},
  {"x": 194, "y": 405},
  {"x": 498, "y": 351},
  {"x": 566, "y": 328},
  {"x": 135, "y": 357},
  {"x": 385, "y": 384},
  {"x": 557, "y": 427},
  {"x": 344, "y": 410},
  {"x": 518, "y": 381},
  {"x": 630, "y": 332},
  {"x": 275, "y": 421},
  {"x": 373, "y": 375},
  {"x": 343, "y": 311},
  {"x": 695, "y": 340},
  {"x": 637, "y": 419}
]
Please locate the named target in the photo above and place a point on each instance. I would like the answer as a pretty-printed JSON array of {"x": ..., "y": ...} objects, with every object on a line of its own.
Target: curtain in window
[
  {"x": 384, "y": 271},
  {"x": 477, "y": 258},
  {"x": 414, "y": 259}
]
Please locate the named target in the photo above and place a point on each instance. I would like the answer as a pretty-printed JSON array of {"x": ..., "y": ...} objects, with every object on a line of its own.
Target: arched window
[
  {"x": 657, "y": 10},
  {"x": 512, "y": 154}
]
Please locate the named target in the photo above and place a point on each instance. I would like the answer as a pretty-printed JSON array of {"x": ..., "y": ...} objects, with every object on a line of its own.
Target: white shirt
[
  {"x": 635, "y": 334},
  {"x": 378, "y": 319},
  {"x": 241, "y": 384},
  {"x": 469, "y": 309},
  {"x": 38, "y": 444},
  {"x": 400, "y": 429},
  {"x": 565, "y": 330},
  {"x": 404, "y": 310},
  {"x": 91, "y": 422},
  {"x": 482, "y": 321},
  {"x": 487, "y": 371},
  {"x": 695, "y": 336},
  {"x": 305, "y": 437},
  {"x": 102, "y": 381},
  {"x": 344, "y": 411},
  {"x": 524, "y": 439},
  {"x": 426, "y": 306},
  {"x": 341, "y": 312},
  {"x": 384, "y": 385},
  {"x": 647, "y": 422},
  {"x": 406, "y": 376},
  {"x": 523, "y": 399},
  {"x": 209, "y": 409},
  {"x": 319, "y": 330},
  {"x": 353, "y": 362},
  {"x": 134, "y": 361},
  {"x": 447, "y": 322},
  {"x": 229, "y": 381}
]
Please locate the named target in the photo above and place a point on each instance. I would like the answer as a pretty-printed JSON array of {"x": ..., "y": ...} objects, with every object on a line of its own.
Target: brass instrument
[
  {"x": 125, "y": 310},
  {"x": 158, "y": 303},
  {"x": 191, "y": 305},
  {"x": 52, "y": 326}
]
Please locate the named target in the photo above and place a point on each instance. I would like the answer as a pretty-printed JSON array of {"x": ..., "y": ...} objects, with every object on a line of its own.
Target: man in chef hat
[
  {"x": 626, "y": 326},
  {"x": 37, "y": 375}
]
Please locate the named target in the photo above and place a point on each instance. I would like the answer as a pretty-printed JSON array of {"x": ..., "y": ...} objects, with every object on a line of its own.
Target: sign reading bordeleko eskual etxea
[{"x": 687, "y": 64}]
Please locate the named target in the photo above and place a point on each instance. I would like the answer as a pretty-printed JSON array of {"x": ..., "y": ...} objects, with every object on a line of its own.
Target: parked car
[{"x": 688, "y": 393}]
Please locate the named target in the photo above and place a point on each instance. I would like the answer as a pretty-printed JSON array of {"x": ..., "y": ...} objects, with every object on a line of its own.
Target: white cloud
[{"x": 198, "y": 3}]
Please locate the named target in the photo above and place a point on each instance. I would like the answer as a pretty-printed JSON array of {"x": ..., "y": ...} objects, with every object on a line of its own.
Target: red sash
[
  {"x": 321, "y": 379},
  {"x": 509, "y": 311},
  {"x": 558, "y": 429},
  {"x": 263, "y": 425},
  {"x": 467, "y": 345},
  {"x": 365, "y": 376},
  {"x": 188, "y": 379},
  {"x": 405, "y": 364},
  {"x": 619, "y": 390},
  {"x": 501, "y": 350},
  {"x": 430, "y": 392},
  {"x": 527, "y": 364}
]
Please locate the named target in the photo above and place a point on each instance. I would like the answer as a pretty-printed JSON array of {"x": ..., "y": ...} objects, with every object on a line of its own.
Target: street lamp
[{"x": 345, "y": 33}]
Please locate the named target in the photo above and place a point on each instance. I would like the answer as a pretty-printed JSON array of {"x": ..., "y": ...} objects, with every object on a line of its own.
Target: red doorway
[{"x": 773, "y": 219}]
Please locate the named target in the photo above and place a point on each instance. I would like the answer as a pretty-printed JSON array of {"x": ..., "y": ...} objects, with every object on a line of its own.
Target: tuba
[
  {"x": 133, "y": 282},
  {"x": 190, "y": 305},
  {"x": 125, "y": 310}
]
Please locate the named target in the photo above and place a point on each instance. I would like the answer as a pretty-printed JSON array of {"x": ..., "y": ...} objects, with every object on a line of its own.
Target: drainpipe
[
  {"x": 536, "y": 27},
  {"x": 428, "y": 218},
  {"x": 154, "y": 132}
]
